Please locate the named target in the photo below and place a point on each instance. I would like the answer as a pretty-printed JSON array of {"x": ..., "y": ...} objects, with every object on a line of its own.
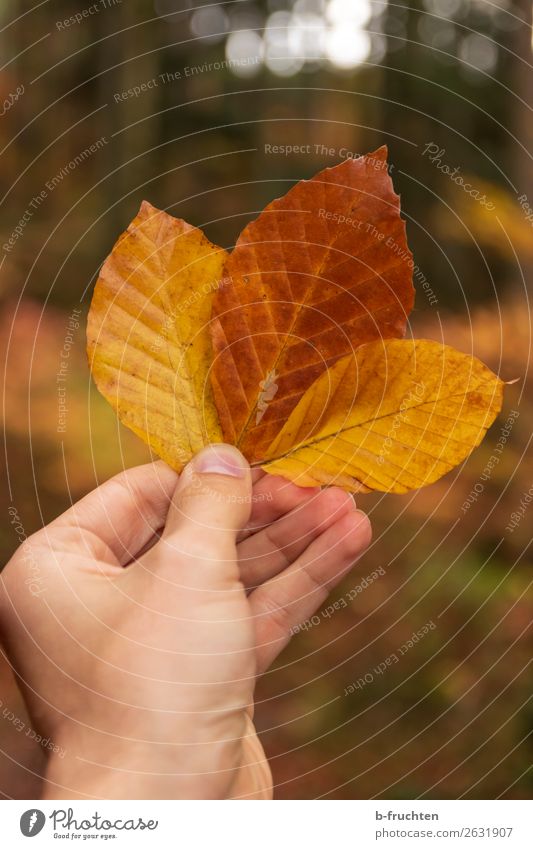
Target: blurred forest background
[{"x": 454, "y": 717}]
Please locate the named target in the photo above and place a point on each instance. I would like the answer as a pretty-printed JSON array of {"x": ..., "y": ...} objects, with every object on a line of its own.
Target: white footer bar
[{"x": 270, "y": 825}]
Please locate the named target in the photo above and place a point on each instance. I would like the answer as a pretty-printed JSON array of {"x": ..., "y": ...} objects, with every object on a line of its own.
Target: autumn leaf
[
  {"x": 306, "y": 374},
  {"x": 148, "y": 339},
  {"x": 395, "y": 415},
  {"x": 321, "y": 271}
]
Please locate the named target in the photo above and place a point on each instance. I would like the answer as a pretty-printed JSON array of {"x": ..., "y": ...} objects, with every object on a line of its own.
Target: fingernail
[{"x": 220, "y": 459}]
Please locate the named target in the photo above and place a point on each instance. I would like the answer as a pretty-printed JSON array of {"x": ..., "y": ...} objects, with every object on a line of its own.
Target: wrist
[{"x": 103, "y": 766}]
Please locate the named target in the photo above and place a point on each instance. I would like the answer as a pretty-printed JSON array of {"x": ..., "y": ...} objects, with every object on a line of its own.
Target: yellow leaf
[
  {"x": 148, "y": 335},
  {"x": 395, "y": 415}
]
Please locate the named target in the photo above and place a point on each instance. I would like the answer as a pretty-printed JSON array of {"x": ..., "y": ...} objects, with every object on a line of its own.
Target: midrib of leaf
[
  {"x": 309, "y": 443},
  {"x": 316, "y": 275},
  {"x": 183, "y": 370}
]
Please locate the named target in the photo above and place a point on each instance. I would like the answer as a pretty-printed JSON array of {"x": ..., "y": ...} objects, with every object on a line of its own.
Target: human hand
[{"x": 157, "y": 601}]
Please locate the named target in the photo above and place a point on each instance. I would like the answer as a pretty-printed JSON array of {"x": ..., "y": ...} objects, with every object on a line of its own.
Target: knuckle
[
  {"x": 316, "y": 585},
  {"x": 355, "y": 535},
  {"x": 190, "y": 495},
  {"x": 193, "y": 544},
  {"x": 363, "y": 531},
  {"x": 277, "y": 614},
  {"x": 123, "y": 482}
]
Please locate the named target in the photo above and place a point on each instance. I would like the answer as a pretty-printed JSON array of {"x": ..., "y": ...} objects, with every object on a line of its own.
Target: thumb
[{"x": 212, "y": 502}]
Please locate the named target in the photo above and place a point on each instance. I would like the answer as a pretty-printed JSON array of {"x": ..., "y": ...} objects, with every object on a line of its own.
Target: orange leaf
[{"x": 323, "y": 270}]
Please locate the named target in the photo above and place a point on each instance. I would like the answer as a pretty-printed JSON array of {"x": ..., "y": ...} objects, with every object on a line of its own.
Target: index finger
[{"x": 122, "y": 514}]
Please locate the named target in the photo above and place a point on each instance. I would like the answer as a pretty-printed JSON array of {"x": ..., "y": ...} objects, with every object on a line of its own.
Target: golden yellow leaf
[
  {"x": 394, "y": 416},
  {"x": 148, "y": 335}
]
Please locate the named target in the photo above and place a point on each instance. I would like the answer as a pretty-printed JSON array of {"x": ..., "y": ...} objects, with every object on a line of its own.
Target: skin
[{"x": 138, "y": 621}]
